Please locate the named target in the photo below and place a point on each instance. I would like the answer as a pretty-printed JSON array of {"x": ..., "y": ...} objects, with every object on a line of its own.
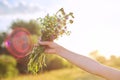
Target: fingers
[
  {"x": 49, "y": 44},
  {"x": 44, "y": 43}
]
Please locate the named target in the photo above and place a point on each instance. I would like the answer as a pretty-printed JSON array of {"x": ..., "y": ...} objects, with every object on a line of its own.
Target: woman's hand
[{"x": 52, "y": 47}]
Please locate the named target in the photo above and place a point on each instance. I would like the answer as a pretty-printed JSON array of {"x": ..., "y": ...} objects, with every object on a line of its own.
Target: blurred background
[{"x": 95, "y": 33}]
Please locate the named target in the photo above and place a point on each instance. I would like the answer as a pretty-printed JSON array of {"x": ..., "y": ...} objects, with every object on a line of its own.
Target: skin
[{"x": 82, "y": 62}]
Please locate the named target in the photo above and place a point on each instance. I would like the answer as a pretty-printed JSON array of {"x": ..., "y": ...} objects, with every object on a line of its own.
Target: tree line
[{"x": 10, "y": 66}]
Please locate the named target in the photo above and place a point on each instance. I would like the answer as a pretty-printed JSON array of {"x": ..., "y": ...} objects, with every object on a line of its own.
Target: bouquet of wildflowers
[{"x": 51, "y": 28}]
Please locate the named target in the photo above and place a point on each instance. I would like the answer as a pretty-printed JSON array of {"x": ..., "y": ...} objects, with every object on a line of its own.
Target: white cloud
[{"x": 21, "y": 7}]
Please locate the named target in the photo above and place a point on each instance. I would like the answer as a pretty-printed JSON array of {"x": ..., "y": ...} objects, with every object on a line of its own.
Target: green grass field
[{"x": 62, "y": 74}]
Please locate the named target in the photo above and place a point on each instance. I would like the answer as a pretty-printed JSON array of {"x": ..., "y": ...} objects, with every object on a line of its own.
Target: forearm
[
  {"x": 109, "y": 73},
  {"x": 81, "y": 61},
  {"x": 90, "y": 65}
]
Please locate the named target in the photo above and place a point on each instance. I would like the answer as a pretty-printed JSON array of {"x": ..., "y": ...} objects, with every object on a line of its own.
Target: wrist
[{"x": 62, "y": 51}]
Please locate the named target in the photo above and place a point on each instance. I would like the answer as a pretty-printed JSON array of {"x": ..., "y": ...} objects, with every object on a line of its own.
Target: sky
[{"x": 96, "y": 25}]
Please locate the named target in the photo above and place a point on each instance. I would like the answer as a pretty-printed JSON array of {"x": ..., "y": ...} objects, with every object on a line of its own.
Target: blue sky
[
  {"x": 23, "y": 9},
  {"x": 22, "y": 6},
  {"x": 96, "y": 26}
]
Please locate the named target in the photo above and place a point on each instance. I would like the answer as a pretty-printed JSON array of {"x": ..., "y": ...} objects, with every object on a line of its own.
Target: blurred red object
[{"x": 19, "y": 43}]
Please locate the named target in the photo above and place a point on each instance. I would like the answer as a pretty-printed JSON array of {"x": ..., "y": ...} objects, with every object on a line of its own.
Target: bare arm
[{"x": 83, "y": 62}]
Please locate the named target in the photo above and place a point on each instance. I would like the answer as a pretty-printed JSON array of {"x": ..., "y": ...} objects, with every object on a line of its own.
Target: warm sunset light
[
  {"x": 96, "y": 25},
  {"x": 90, "y": 52}
]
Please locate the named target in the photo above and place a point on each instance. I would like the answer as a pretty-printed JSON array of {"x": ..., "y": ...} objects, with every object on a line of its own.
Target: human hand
[{"x": 51, "y": 47}]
